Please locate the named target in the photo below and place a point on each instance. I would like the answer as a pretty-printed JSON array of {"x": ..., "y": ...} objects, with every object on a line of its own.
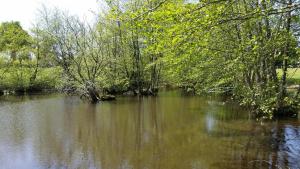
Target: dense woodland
[{"x": 246, "y": 49}]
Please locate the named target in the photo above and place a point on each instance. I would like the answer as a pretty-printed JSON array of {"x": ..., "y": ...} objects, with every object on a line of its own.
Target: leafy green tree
[
  {"x": 229, "y": 46},
  {"x": 131, "y": 43},
  {"x": 13, "y": 38},
  {"x": 79, "y": 49}
]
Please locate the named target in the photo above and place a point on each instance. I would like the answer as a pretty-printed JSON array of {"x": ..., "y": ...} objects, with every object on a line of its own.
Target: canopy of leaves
[{"x": 13, "y": 37}]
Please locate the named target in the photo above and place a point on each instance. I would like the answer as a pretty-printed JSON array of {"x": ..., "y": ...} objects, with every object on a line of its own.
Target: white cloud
[{"x": 25, "y": 10}]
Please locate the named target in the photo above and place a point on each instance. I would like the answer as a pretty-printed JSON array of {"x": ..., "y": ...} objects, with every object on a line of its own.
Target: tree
[
  {"x": 13, "y": 38},
  {"x": 131, "y": 45},
  {"x": 230, "y": 46},
  {"x": 79, "y": 49}
]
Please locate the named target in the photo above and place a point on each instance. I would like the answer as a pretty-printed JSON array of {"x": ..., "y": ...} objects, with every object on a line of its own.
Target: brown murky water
[{"x": 165, "y": 132}]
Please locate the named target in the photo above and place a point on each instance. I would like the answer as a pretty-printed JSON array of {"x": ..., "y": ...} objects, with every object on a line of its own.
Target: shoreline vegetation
[{"x": 248, "y": 50}]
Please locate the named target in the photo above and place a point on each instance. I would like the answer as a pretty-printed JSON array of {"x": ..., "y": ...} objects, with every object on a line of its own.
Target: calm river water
[{"x": 165, "y": 132}]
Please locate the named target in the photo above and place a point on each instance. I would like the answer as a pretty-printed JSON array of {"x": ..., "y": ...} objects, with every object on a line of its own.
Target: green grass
[{"x": 293, "y": 75}]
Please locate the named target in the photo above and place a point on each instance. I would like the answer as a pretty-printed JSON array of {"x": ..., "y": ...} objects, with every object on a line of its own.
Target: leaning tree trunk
[{"x": 92, "y": 92}]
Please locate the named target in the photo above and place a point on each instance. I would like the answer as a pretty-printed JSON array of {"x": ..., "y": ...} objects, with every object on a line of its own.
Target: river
[{"x": 170, "y": 131}]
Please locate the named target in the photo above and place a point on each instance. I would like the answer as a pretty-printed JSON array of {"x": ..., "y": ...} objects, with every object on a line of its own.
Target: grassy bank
[{"x": 293, "y": 76}]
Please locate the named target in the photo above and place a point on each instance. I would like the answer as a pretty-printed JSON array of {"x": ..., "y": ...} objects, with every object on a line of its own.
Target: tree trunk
[
  {"x": 13, "y": 55},
  {"x": 92, "y": 92},
  {"x": 282, "y": 92}
]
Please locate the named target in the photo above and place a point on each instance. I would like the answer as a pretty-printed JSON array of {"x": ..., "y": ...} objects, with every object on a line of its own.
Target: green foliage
[
  {"x": 16, "y": 77},
  {"x": 47, "y": 79},
  {"x": 243, "y": 48},
  {"x": 220, "y": 46},
  {"x": 13, "y": 38}
]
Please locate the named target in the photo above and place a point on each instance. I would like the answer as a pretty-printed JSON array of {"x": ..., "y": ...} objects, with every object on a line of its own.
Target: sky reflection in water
[{"x": 165, "y": 132}]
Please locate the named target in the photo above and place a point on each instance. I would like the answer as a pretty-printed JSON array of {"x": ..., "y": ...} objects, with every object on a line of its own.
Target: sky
[{"x": 25, "y": 11}]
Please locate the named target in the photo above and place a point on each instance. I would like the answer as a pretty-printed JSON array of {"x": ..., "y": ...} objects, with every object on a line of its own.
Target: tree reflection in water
[{"x": 165, "y": 132}]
